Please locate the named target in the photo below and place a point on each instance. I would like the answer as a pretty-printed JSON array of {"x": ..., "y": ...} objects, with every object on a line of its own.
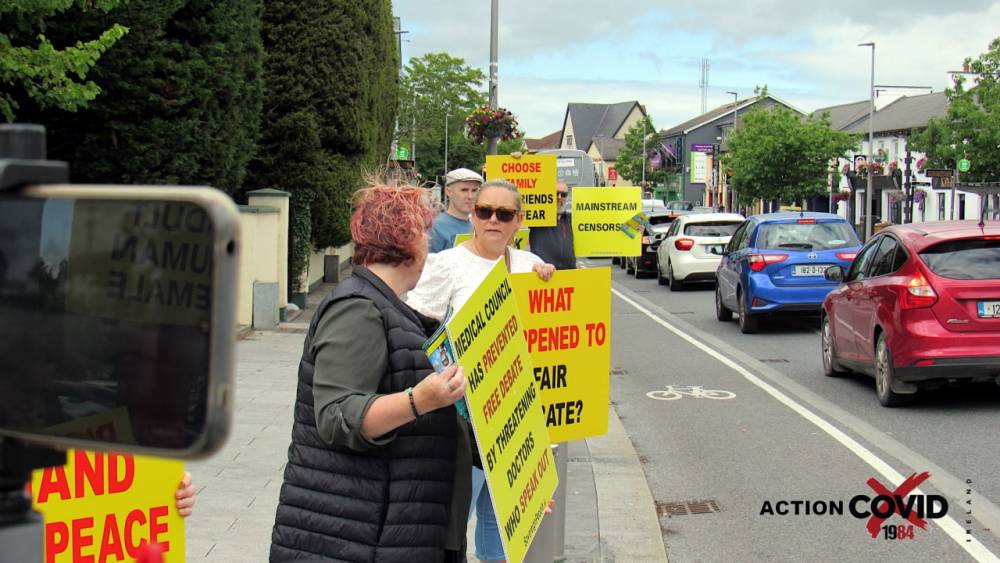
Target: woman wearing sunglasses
[{"x": 451, "y": 276}]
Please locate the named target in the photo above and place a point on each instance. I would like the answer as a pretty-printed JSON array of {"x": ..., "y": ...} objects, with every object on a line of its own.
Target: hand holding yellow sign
[
  {"x": 567, "y": 323},
  {"x": 103, "y": 506},
  {"x": 535, "y": 178}
]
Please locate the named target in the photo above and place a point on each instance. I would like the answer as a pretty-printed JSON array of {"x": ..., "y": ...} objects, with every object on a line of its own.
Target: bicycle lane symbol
[{"x": 673, "y": 392}]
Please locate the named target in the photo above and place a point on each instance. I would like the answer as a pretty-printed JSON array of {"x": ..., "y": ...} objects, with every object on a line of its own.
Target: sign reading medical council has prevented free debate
[
  {"x": 598, "y": 217},
  {"x": 103, "y": 506},
  {"x": 535, "y": 178},
  {"x": 567, "y": 323},
  {"x": 505, "y": 407}
]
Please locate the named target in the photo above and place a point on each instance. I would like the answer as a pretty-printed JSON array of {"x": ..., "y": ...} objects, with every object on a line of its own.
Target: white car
[{"x": 693, "y": 247}]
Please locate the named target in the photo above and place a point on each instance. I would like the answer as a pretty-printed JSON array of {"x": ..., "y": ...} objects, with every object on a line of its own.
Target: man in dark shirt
[{"x": 555, "y": 244}]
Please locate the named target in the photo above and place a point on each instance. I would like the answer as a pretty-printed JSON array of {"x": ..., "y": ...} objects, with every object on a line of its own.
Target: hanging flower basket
[
  {"x": 921, "y": 162},
  {"x": 876, "y": 168},
  {"x": 484, "y": 123},
  {"x": 842, "y": 195},
  {"x": 919, "y": 196},
  {"x": 893, "y": 165}
]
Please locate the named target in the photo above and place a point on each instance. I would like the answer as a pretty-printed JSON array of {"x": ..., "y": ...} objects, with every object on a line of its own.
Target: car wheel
[
  {"x": 659, "y": 274},
  {"x": 885, "y": 372},
  {"x": 629, "y": 267},
  {"x": 616, "y": 260},
  {"x": 748, "y": 323},
  {"x": 675, "y": 285},
  {"x": 830, "y": 366},
  {"x": 721, "y": 312}
]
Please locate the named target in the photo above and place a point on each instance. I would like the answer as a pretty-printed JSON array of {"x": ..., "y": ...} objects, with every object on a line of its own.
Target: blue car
[{"x": 774, "y": 263}]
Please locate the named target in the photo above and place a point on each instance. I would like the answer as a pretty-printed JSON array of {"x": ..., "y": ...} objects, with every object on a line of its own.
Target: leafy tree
[
  {"x": 181, "y": 94},
  {"x": 437, "y": 88},
  {"x": 631, "y": 157},
  {"x": 30, "y": 65},
  {"x": 971, "y": 129},
  {"x": 330, "y": 90},
  {"x": 776, "y": 154}
]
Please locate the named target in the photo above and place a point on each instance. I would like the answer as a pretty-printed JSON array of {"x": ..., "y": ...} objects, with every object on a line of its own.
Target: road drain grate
[
  {"x": 773, "y": 360},
  {"x": 686, "y": 507}
]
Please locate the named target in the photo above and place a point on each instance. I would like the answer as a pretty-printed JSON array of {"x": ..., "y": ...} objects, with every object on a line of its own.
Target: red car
[{"x": 920, "y": 306}]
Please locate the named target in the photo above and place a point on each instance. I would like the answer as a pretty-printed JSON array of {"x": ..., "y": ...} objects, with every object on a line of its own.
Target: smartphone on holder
[{"x": 117, "y": 317}]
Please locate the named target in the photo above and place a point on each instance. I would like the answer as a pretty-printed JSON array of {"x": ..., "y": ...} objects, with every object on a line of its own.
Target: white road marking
[{"x": 948, "y": 524}]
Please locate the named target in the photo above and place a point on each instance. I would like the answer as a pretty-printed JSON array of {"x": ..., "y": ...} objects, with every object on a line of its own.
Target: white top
[{"x": 451, "y": 276}]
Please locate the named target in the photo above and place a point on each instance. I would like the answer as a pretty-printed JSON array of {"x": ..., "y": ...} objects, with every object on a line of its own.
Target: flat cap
[{"x": 462, "y": 175}]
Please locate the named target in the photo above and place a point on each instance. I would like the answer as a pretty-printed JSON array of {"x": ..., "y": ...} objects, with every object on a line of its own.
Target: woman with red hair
[{"x": 379, "y": 464}]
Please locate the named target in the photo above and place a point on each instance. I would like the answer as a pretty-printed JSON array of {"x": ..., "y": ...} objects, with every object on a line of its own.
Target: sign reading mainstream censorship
[
  {"x": 598, "y": 217},
  {"x": 567, "y": 321},
  {"x": 535, "y": 178},
  {"x": 505, "y": 407}
]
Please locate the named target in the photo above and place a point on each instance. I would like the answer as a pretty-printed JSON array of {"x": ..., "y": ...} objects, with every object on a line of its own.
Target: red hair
[{"x": 389, "y": 225}]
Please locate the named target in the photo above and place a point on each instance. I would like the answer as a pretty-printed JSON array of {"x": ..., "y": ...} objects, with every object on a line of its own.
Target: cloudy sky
[{"x": 553, "y": 51}]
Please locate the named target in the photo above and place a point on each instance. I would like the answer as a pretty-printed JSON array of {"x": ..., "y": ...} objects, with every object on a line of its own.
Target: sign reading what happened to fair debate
[
  {"x": 598, "y": 218},
  {"x": 102, "y": 507},
  {"x": 567, "y": 323},
  {"x": 535, "y": 178},
  {"x": 505, "y": 407}
]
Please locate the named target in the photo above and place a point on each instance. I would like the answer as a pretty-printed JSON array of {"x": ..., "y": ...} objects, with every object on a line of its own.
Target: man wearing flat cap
[{"x": 460, "y": 185}]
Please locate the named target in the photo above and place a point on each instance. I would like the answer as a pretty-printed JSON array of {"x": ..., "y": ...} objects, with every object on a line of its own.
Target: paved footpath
[{"x": 609, "y": 510}]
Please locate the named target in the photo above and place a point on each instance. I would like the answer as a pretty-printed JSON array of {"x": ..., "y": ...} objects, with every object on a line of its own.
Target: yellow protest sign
[
  {"x": 103, "y": 506},
  {"x": 598, "y": 218},
  {"x": 520, "y": 238},
  {"x": 141, "y": 261},
  {"x": 535, "y": 178},
  {"x": 504, "y": 405},
  {"x": 567, "y": 323}
]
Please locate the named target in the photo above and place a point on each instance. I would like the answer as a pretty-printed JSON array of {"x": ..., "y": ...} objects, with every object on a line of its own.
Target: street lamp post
[
  {"x": 644, "y": 152},
  {"x": 447, "y": 114},
  {"x": 869, "y": 196},
  {"x": 732, "y": 190},
  {"x": 494, "y": 103}
]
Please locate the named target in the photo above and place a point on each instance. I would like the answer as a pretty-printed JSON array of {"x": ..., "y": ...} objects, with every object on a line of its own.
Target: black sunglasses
[
  {"x": 503, "y": 215},
  {"x": 562, "y": 194}
]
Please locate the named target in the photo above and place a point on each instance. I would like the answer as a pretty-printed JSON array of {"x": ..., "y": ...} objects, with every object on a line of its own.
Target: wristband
[{"x": 413, "y": 404}]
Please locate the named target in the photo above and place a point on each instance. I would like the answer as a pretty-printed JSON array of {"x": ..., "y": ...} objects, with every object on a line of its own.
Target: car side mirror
[{"x": 834, "y": 273}]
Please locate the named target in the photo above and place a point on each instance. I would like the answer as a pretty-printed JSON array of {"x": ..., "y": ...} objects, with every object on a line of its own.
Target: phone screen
[{"x": 105, "y": 320}]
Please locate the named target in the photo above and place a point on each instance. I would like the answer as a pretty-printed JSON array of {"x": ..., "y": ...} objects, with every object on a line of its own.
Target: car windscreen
[
  {"x": 806, "y": 236},
  {"x": 660, "y": 219},
  {"x": 969, "y": 259},
  {"x": 712, "y": 228}
]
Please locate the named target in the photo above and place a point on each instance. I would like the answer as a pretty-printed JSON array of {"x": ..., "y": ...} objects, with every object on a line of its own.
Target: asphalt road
[{"x": 782, "y": 431}]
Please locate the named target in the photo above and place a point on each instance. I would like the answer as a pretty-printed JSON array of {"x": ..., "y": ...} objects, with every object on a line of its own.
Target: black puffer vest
[{"x": 388, "y": 504}]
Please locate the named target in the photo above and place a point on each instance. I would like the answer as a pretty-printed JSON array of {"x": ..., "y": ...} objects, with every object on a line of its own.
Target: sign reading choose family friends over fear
[
  {"x": 603, "y": 220},
  {"x": 567, "y": 323},
  {"x": 101, "y": 507},
  {"x": 535, "y": 178},
  {"x": 505, "y": 407}
]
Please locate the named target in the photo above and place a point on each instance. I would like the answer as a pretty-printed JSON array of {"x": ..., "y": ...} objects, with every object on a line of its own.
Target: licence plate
[
  {"x": 989, "y": 309},
  {"x": 810, "y": 270}
]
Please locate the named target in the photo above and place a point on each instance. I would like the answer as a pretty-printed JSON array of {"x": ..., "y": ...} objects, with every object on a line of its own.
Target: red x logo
[{"x": 901, "y": 492}]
